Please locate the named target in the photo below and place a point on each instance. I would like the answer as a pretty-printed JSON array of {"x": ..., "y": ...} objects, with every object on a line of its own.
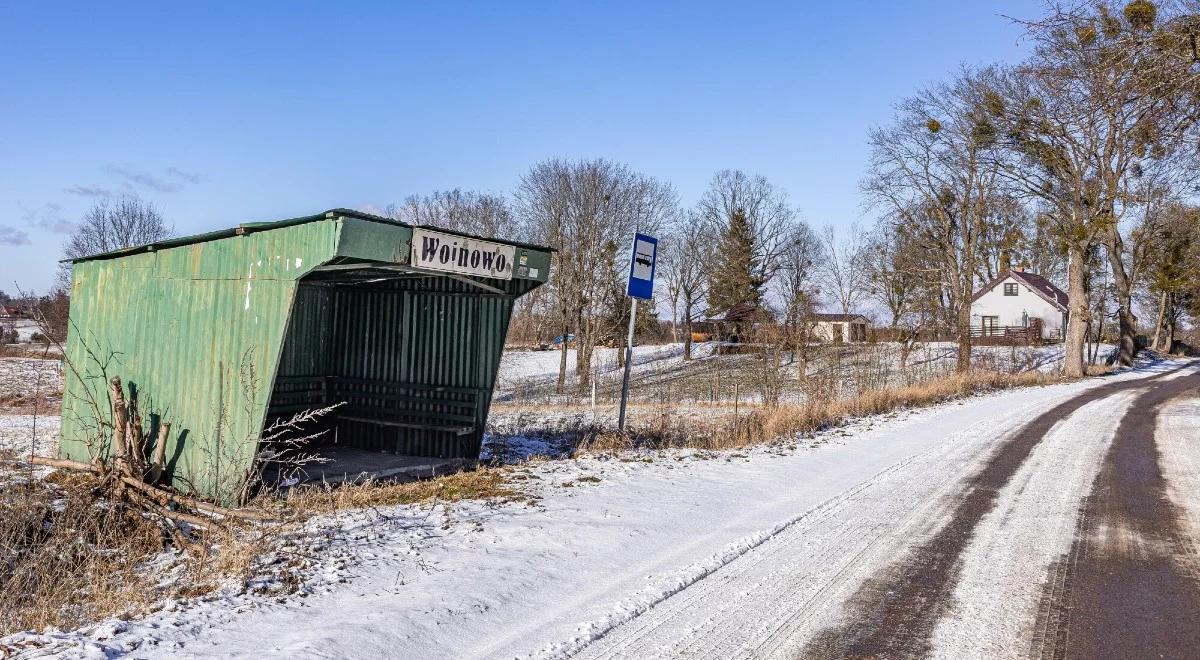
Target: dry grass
[
  {"x": 19, "y": 403},
  {"x": 481, "y": 484},
  {"x": 70, "y": 555},
  {"x": 768, "y": 424},
  {"x": 67, "y": 556}
]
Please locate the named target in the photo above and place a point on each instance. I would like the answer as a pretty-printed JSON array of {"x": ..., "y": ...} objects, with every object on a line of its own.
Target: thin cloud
[
  {"x": 171, "y": 180},
  {"x": 49, "y": 217},
  {"x": 13, "y": 236},
  {"x": 90, "y": 191},
  {"x": 190, "y": 177}
]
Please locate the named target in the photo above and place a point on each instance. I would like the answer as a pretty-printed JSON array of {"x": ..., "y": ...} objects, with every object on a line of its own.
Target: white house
[
  {"x": 1021, "y": 305},
  {"x": 840, "y": 328}
]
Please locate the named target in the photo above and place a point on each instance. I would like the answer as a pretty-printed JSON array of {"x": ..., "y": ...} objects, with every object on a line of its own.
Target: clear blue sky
[{"x": 222, "y": 113}]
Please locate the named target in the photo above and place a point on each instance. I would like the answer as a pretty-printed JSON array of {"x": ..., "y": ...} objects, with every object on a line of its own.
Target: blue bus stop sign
[{"x": 641, "y": 266}]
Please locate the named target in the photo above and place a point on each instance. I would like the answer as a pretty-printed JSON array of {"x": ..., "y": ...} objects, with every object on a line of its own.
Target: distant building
[
  {"x": 839, "y": 328},
  {"x": 1019, "y": 306},
  {"x": 734, "y": 324}
]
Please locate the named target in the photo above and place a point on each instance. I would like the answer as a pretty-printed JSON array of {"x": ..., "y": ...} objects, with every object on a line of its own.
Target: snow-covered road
[{"x": 937, "y": 532}]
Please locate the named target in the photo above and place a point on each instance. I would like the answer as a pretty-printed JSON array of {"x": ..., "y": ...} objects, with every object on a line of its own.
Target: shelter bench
[{"x": 382, "y": 403}]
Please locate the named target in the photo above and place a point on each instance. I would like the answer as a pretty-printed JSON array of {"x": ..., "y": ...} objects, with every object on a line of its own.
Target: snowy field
[
  {"x": 20, "y": 378},
  {"x": 25, "y": 328},
  {"x": 605, "y": 547},
  {"x": 536, "y": 372}
]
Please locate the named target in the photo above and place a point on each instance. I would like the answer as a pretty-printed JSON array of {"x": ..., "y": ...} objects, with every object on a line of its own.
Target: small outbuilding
[
  {"x": 221, "y": 334},
  {"x": 840, "y": 328}
]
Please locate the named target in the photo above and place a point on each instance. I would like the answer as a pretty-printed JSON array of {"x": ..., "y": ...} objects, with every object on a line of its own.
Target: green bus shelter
[{"x": 221, "y": 334}]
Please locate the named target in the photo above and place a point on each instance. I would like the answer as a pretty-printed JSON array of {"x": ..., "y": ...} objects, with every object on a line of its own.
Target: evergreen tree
[{"x": 735, "y": 277}]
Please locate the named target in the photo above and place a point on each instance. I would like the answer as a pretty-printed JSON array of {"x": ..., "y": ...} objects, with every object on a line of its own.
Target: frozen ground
[
  {"x": 21, "y": 377},
  {"x": 659, "y": 372},
  {"x": 25, "y": 328},
  {"x": 20, "y": 433},
  {"x": 660, "y": 554}
]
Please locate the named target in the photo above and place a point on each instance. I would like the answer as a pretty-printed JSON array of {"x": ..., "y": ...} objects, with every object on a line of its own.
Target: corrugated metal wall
[
  {"x": 428, "y": 331},
  {"x": 185, "y": 326}
]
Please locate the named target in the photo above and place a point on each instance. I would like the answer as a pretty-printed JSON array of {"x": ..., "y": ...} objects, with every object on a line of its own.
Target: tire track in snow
[
  {"x": 768, "y": 596},
  {"x": 1131, "y": 585},
  {"x": 895, "y": 613},
  {"x": 1178, "y": 439},
  {"x": 999, "y": 588}
]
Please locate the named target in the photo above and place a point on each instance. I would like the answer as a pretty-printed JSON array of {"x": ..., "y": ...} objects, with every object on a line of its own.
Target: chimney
[{"x": 1020, "y": 269}]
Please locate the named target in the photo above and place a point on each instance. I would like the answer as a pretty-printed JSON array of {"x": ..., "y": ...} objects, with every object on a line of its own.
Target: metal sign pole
[
  {"x": 641, "y": 285},
  {"x": 628, "y": 362}
]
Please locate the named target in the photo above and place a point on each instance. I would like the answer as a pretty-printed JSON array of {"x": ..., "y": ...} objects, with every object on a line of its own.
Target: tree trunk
[
  {"x": 687, "y": 337},
  {"x": 159, "y": 462},
  {"x": 1169, "y": 339},
  {"x": 964, "y": 337},
  {"x": 583, "y": 364},
  {"x": 120, "y": 424},
  {"x": 1123, "y": 286},
  {"x": 674, "y": 323},
  {"x": 1158, "y": 325},
  {"x": 562, "y": 363},
  {"x": 585, "y": 350},
  {"x": 1077, "y": 316}
]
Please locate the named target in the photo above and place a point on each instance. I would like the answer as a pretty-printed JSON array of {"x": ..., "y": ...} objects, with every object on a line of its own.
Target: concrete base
[{"x": 349, "y": 465}]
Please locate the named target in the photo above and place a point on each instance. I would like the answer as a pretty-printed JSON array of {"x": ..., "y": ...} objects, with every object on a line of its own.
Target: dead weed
[{"x": 480, "y": 484}]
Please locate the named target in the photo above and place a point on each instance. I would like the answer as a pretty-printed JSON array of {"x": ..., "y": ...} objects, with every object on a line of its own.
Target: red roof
[{"x": 1034, "y": 282}]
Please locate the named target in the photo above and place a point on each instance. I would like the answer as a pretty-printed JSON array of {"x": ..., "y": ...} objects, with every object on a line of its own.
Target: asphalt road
[{"x": 1069, "y": 532}]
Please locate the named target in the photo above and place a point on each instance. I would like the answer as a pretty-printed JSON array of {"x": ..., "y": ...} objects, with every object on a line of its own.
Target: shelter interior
[{"x": 409, "y": 359}]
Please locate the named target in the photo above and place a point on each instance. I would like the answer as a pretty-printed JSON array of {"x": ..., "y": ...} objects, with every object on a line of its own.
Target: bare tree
[
  {"x": 842, "y": 278},
  {"x": 115, "y": 225},
  {"x": 588, "y": 211},
  {"x": 668, "y": 273},
  {"x": 802, "y": 259},
  {"x": 905, "y": 279},
  {"x": 112, "y": 225},
  {"x": 458, "y": 210},
  {"x": 929, "y": 170},
  {"x": 687, "y": 256}
]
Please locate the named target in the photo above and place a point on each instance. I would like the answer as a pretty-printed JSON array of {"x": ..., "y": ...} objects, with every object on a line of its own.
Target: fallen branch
[
  {"x": 205, "y": 507},
  {"x": 149, "y": 504},
  {"x": 162, "y": 497},
  {"x": 66, "y": 464}
]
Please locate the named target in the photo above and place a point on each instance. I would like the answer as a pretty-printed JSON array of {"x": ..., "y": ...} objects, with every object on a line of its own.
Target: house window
[
  {"x": 991, "y": 326},
  {"x": 1010, "y": 289}
]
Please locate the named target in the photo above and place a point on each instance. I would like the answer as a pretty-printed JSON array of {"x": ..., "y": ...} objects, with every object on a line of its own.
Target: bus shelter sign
[
  {"x": 450, "y": 253},
  {"x": 641, "y": 266}
]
